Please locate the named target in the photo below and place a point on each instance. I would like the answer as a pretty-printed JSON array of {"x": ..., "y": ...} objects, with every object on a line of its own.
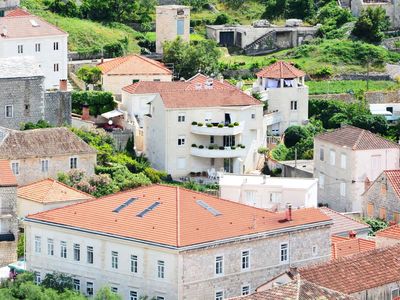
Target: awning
[
  {"x": 19, "y": 266},
  {"x": 112, "y": 114}
]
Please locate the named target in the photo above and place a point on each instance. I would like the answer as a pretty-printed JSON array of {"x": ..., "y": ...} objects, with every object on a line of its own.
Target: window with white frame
[
  {"x": 133, "y": 295},
  {"x": 44, "y": 163},
  {"x": 20, "y": 49},
  {"x": 77, "y": 285},
  {"x": 343, "y": 160},
  {"x": 38, "y": 278},
  {"x": 38, "y": 244},
  {"x": 56, "y": 67},
  {"x": 160, "y": 269},
  {"x": 181, "y": 117},
  {"x": 181, "y": 140},
  {"x": 77, "y": 252},
  {"x": 245, "y": 259},
  {"x": 55, "y": 46},
  {"x": 332, "y": 157},
  {"x": 63, "y": 249},
  {"x": 9, "y": 111},
  {"x": 284, "y": 253},
  {"x": 219, "y": 295},
  {"x": 219, "y": 265},
  {"x": 245, "y": 290},
  {"x": 343, "y": 189},
  {"x": 395, "y": 293},
  {"x": 37, "y": 47},
  {"x": 15, "y": 167},
  {"x": 321, "y": 154},
  {"x": 89, "y": 288},
  {"x": 89, "y": 254},
  {"x": 134, "y": 264},
  {"x": 293, "y": 105},
  {"x": 73, "y": 162},
  {"x": 114, "y": 259},
  {"x": 50, "y": 247},
  {"x": 114, "y": 289},
  {"x": 321, "y": 180}
]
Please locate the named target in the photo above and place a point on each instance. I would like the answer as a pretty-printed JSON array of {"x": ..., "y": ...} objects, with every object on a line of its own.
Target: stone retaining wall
[{"x": 371, "y": 97}]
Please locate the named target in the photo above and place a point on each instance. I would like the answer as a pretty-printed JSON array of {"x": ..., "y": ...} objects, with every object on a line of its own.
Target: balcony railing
[
  {"x": 217, "y": 129},
  {"x": 218, "y": 152}
]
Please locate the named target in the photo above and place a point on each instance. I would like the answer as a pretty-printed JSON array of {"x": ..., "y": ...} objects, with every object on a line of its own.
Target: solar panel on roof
[
  {"x": 147, "y": 210},
  {"x": 125, "y": 204},
  {"x": 208, "y": 207}
]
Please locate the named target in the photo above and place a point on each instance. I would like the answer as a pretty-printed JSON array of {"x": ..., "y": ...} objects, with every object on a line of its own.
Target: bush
[
  {"x": 209, "y": 125},
  {"x": 58, "y": 281},
  {"x": 221, "y": 148},
  {"x": 39, "y": 124},
  {"x": 376, "y": 225},
  {"x": 231, "y": 126},
  {"x": 201, "y": 147},
  {"x": 155, "y": 176},
  {"x": 194, "y": 123},
  {"x": 222, "y": 19},
  {"x": 194, "y": 145},
  {"x": 220, "y": 125},
  {"x": 200, "y": 124},
  {"x": 294, "y": 134},
  {"x": 236, "y": 124},
  {"x": 99, "y": 102},
  {"x": 324, "y": 72}
]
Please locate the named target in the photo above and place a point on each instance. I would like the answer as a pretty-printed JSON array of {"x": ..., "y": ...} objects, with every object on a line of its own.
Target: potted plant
[
  {"x": 230, "y": 125},
  {"x": 233, "y": 147},
  {"x": 194, "y": 145},
  {"x": 211, "y": 147},
  {"x": 215, "y": 124},
  {"x": 201, "y": 147},
  {"x": 194, "y": 123},
  {"x": 209, "y": 125},
  {"x": 221, "y": 148},
  {"x": 200, "y": 124},
  {"x": 236, "y": 124},
  {"x": 220, "y": 125}
]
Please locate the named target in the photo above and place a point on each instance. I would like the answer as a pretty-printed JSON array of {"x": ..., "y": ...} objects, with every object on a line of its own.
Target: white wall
[{"x": 27, "y": 207}]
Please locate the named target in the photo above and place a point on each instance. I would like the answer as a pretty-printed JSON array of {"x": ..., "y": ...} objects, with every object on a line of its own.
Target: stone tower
[
  {"x": 8, "y": 214},
  {"x": 171, "y": 21}
]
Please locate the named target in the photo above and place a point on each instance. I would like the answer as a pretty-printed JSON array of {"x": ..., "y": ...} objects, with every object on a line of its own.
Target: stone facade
[
  {"x": 380, "y": 292},
  {"x": 371, "y": 97},
  {"x": 8, "y": 224},
  {"x": 58, "y": 108}
]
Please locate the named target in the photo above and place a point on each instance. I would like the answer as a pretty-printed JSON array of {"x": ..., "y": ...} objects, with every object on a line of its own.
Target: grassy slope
[{"x": 335, "y": 87}]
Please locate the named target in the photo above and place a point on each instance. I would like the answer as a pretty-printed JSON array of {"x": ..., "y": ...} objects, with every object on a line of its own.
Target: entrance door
[
  {"x": 228, "y": 165},
  {"x": 227, "y": 39}
]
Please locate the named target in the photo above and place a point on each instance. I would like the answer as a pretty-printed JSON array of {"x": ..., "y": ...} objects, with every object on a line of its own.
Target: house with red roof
[
  {"x": 346, "y": 160},
  {"x": 172, "y": 243},
  {"x": 281, "y": 86},
  {"x": 388, "y": 237}
]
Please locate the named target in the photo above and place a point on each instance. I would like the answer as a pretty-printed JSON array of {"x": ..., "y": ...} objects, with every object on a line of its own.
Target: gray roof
[
  {"x": 16, "y": 67},
  {"x": 45, "y": 142}
]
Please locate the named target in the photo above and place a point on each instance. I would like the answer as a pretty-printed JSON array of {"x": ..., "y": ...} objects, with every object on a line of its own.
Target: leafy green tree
[
  {"x": 105, "y": 293},
  {"x": 371, "y": 25},
  {"x": 89, "y": 74},
  {"x": 274, "y": 9},
  {"x": 332, "y": 17},
  {"x": 295, "y": 134},
  {"x": 376, "y": 224},
  {"x": 222, "y": 19},
  {"x": 67, "y": 8},
  {"x": 21, "y": 245},
  {"x": 110, "y": 10},
  {"x": 300, "y": 9},
  {"x": 99, "y": 102},
  {"x": 58, "y": 281},
  {"x": 280, "y": 152}
]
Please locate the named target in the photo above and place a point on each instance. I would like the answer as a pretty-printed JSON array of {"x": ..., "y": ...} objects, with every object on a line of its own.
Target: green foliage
[
  {"x": 376, "y": 224},
  {"x": 58, "y": 281},
  {"x": 189, "y": 58},
  {"x": 294, "y": 134},
  {"x": 21, "y": 245},
  {"x": 332, "y": 17},
  {"x": 110, "y": 10},
  {"x": 66, "y": 8},
  {"x": 280, "y": 152},
  {"x": 324, "y": 72},
  {"x": 89, "y": 74},
  {"x": 39, "y": 124},
  {"x": 195, "y": 4},
  {"x": 287, "y": 9},
  {"x": 99, "y": 102},
  {"x": 371, "y": 25},
  {"x": 347, "y": 86},
  {"x": 222, "y": 19},
  {"x": 105, "y": 293}
]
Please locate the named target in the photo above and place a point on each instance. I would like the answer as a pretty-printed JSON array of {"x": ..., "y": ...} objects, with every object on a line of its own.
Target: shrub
[
  {"x": 222, "y": 19},
  {"x": 209, "y": 125},
  {"x": 231, "y": 126},
  {"x": 39, "y": 124},
  {"x": 194, "y": 123},
  {"x": 58, "y": 281},
  {"x": 211, "y": 147},
  {"x": 99, "y": 102},
  {"x": 233, "y": 147},
  {"x": 194, "y": 145},
  {"x": 200, "y": 124},
  {"x": 220, "y": 125},
  {"x": 215, "y": 125},
  {"x": 155, "y": 176},
  {"x": 236, "y": 124},
  {"x": 221, "y": 148},
  {"x": 201, "y": 147},
  {"x": 324, "y": 72},
  {"x": 242, "y": 146}
]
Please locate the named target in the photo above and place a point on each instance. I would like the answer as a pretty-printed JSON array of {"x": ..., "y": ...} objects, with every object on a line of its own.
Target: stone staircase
[{"x": 263, "y": 45}]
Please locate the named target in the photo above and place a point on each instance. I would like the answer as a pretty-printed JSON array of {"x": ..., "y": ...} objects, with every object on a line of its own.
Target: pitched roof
[
  {"x": 192, "y": 94},
  {"x": 173, "y": 217},
  {"x": 394, "y": 178},
  {"x": 18, "y": 12},
  {"x": 7, "y": 177},
  {"x": 50, "y": 191},
  {"x": 342, "y": 224},
  {"x": 356, "y": 139},
  {"x": 27, "y": 26},
  {"x": 133, "y": 65},
  {"x": 217, "y": 83},
  {"x": 358, "y": 272},
  {"x": 280, "y": 70},
  {"x": 20, "y": 67},
  {"x": 345, "y": 246},
  {"x": 392, "y": 232},
  {"x": 41, "y": 143},
  {"x": 298, "y": 289}
]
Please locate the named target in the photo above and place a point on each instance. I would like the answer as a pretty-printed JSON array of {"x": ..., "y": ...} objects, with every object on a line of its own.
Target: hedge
[{"x": 99, "y": 102}]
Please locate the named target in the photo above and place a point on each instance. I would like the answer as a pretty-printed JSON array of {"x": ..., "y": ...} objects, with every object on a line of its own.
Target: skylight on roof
[
  {"x": 211, "y": 209},
  {"x": 147, "y": 210},
  {"x": 34, "y": 23},
  {"x": 125, "y": 204}
]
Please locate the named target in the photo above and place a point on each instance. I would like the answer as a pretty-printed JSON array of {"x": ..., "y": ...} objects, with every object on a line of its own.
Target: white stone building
[
  {"x": 172, "y": 244},
  {"x": 29, "y": 35},
  {"x": 272, "y": 193},
  {"x": 282, "y": 87},
  {"x": 197, "y": 125},
  {"x": 346, "y": 160}
]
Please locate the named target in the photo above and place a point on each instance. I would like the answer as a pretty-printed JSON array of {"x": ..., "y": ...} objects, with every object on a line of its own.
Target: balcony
[
  {"x": 271, "y": 118},
  {"x": 217, "y": 129},
  {"x": 226, "y": 152}
]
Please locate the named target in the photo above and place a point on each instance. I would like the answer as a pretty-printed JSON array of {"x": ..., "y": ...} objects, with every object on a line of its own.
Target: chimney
[
  {"x": 63, "y": 85},
  {"x": 352, "y": 234},
  {"x": 85, "y": 112},
  {"x": 392, "y": 223},
  {"x": 289, "y": 212},
  {"x": 367, "y": 184},
  {"x": 102, "y": 60}
]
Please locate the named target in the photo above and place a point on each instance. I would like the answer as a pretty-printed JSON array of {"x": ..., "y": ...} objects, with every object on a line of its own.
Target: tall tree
[{"x": 371, "y": 25}]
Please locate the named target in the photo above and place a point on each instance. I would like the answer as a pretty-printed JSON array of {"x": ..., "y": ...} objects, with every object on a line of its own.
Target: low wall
[
  {"x": 79, "y": 83},
  {"x": 371, "y": 97}
]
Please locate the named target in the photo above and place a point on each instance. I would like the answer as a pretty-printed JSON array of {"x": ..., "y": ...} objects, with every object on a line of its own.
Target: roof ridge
[
  {"x": 359, "y": 138},
  {"x": 48, "y": 190},
  {"x": 153, "y": 62}
]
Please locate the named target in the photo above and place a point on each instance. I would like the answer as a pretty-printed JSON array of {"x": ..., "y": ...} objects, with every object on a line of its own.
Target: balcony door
[
  {"x": 227, "y": 119},
  {"x": 229, "y": 140},
  {"x": 228, "y": 165}
]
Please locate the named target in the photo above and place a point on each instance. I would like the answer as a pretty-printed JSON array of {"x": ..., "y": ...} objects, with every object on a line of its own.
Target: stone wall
[
  {"x": 371, "y": 97},
  {"x": 8, "y": 224},
  {"x": 58, "y": 108}
]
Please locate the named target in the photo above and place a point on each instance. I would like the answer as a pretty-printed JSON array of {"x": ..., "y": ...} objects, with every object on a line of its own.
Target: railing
[
  {"x": 226, "y": 152},
  {"x": 217, "y": 129}
]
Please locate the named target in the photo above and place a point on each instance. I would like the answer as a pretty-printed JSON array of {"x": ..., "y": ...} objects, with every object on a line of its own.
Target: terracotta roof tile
[
  {"x": 50, "y": 191},
  {"x": 392, "y": 232},
  {"x": 133, "y": 65},
  {"x": 356, "y": 139},
  {"x": 342, "y": 224},
  {"x": 7, "y": 177},
  {"x": 358, "y": 272},
  {"x": 280, "y": 70},
  {"x": 18, "y": 12},
  {"x": 394, "y": 178},
  {"x": 344, "y": 246},
  {"x": 178, "y": 220}
]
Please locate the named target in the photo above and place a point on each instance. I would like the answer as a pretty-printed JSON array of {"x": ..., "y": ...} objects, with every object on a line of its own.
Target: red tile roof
[
  {"x": 7, "y": 177},
  {"x": 133, "y": 65},
  {"x": 358, "y": 272},
  {"x": 342, "y": 224},
  {"x": 394, "y": 178},
  {"x": 356, "y": 139},
  {"x": 18, "y": 12},
  {"x": 50, "y": 191},
  {"x": 345, "y": 246},
  {"x": 178, "y": 220},
  {"x": 217, "y": 83},
  {"x": 392, "y": 232},
  {"x": 280, "y": 70}
]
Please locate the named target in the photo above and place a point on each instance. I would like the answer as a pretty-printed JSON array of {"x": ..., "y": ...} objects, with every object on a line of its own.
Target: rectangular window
[
  {"x": 20, "y": 49},
  {"x": 181, "y": 118},
  {"x": 160, "y": 268},
  {"x": 50, "y": 247},
  {"x": 253, "y": 116},
  {"x": 293, "y": 105},
  {"x": 73, "y": 162},
  {"x": 321, "y": 181},
  {"x": 180, "y": 27},
  {"x": 343, "y": 161},
  {"x": 77, "y": 285},
  {"x": 15, "y": 168},
  {"x": 134, "y": 264},
  {"x": 114, "y": 259},
  {"x": 56, "y": 67},
  {"x": 63, "y": 249},
  {"x": 395, "y": 293},
  {"x": 332, "y": 157},
  {"x": 284, "y": 253},
  {"x": 55, "y": 46},
  {"x": 370, "y": 210},
  {"x": 9, "y": 111},
  {"x": 38, "y": 278},
  {"x": 245, "y": 290},
  {"x": 133, "y": 295},
  {"x": 37, "y": 47},
  {"x": 77, "y": 252},
  {"x": 38, "y": 244},
  {"x": 219, "y": 265},
  {"x": 219, "y": 295},
  {"x": 343, "y": 189},
  {"x": 321, "y": 154},
  {"x": 44, "y": 165},
  {"x": 114, "y": 289},
  {"x": 89, "y": 288},
  {"x": 245, "y": 260},
  {"x": 89, "y": 254},
  {"x": 212, "y": 139},
  {"x": 181, "y": 140},
  {"x": 314, "y": 250}
]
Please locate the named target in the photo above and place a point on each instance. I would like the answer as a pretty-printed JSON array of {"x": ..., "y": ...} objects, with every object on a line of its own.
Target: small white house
[
  {"x": 391, "y": 111},
  {"x": 272, "y": 193}
]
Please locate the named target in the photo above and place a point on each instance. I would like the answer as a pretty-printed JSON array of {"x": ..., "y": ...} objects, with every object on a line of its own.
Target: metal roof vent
[{"x": 34, "y": 23}]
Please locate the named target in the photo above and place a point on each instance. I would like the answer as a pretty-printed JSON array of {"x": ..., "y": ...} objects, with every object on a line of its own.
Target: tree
[
  {"x": 67, "y": 8},
  {"x": 58, "y": 281},
  {"x": 295, "y": 134},
  {"x": 222, "y": 19},
  {"x": 332, "y": 17},
  {"x": 110, "y": 10},
  {"x": 371, "y": 25},
  {"x": 89, "y": 74},
  {"x": 105, "y": 293}
]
